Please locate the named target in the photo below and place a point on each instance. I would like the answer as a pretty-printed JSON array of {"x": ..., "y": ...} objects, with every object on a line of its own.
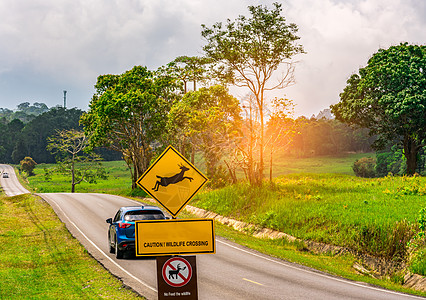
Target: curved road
[
  {"x": 234, "y": 272},
  {"x": 11, "y": 186}
]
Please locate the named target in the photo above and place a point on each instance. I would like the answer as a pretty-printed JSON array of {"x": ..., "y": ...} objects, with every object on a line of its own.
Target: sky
[{"x": 48, "y": 46}]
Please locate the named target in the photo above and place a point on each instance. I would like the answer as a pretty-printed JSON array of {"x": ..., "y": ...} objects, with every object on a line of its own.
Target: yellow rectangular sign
[{"x": 174, "y": 237}]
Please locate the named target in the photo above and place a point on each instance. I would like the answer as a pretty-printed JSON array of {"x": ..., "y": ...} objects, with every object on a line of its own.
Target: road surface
[
  {"x": 11, "y": 185},
  {"x": 234, "y": 272}
]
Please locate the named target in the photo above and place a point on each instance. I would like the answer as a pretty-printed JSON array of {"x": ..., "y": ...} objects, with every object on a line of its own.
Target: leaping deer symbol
[
  {"x": 174, "y": 273},
  {"x": 165, "y": 181}
]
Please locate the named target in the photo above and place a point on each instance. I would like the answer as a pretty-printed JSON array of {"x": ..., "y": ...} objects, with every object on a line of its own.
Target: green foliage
[
  {"x": 36, "y": 132},
  {"x": 388, "y": 97},
  {"x": 385, "y": 241},
  {"x": 393, "y": 162},
  {"x": 28, "y": 165},
  {"x": 422, "y": 222},
  {"x": 210, "y": 119},
  {"x": 259, "y": 43},
  {"x": 316, "y": 137},
  {"x": 25, "y": 112},
  {"x": 365, "y": 167},
  {"x": 417, "y": 261},
  {"x": 50, "y": 178},
  {"x": 128, "y": 114}
]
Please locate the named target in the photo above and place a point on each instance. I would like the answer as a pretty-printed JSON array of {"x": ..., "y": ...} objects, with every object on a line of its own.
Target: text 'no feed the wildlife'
[{"x": 172, "y": 180}]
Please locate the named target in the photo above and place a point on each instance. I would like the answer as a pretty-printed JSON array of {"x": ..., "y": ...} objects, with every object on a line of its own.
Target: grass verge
[
  {"x": 337, "y": 265},
  {"x": 375, "y": 216},
  {"x": 41, "y": 260}
]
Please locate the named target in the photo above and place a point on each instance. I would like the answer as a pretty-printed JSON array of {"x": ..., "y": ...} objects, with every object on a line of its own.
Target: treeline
[
  {"x": 27, "y": 132},
  {"x": 315, "y": 137},
  {"x": 25, "y": 112}
]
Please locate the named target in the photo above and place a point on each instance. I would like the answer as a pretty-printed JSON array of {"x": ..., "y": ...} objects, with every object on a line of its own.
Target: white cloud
[{"x": 51, "y": 45}]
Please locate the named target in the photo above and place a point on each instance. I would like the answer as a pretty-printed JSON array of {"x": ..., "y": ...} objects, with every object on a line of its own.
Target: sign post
[
  {"x": 177, "y": 277},
  {"x": 173, "y": 181}
]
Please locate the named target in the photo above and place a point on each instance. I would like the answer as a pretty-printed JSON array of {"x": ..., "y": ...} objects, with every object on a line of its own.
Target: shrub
[
  {"x": 392, "y": 161},
  {"x": 365, "y": 167},
  {"x": 418, "y": 257},
  {"x": 385, "y": 241},
  {"x": 28, "y": 165}
]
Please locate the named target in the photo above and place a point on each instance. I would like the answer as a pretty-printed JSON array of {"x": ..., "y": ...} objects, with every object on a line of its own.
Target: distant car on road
[
  {"x": 121, "y": 232},
  {"x": 5, "y": 175}
]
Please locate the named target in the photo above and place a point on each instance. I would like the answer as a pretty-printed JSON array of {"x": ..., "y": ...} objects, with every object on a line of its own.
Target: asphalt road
[
  {"x": 11, "y": 185},
  {"x": 234, "y": 272}
]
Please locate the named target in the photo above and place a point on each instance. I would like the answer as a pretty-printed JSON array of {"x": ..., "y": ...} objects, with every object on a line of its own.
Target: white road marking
[
  {"x": 319, "y": 274},
  {"x": 104, "y": 254}
]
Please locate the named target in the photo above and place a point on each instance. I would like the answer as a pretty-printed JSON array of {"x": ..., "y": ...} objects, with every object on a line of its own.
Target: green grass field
[
  {"x": 41, "y": 260},
  {"x": 376, "y": 216},
  {"x": 118, "y": 181}
]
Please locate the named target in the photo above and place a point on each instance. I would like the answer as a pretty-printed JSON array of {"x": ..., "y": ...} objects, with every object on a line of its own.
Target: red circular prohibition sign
[{"x": 177, "y": 271}]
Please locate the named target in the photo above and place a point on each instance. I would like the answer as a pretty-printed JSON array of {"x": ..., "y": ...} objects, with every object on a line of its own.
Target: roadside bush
[
  {"x": 365, "y": 167},
  {"x": 389, "y": 242},
  {"x": 417, "y": 261},
  {"x": 28, "y": 165},
  {"x": 392, "y": 161}
]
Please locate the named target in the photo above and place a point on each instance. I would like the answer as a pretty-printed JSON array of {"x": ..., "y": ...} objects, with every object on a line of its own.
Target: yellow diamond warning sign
[{"x": 172, "y": 180}]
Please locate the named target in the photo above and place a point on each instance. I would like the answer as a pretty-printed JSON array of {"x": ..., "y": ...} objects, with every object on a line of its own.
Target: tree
[
  {"x": 388, "y": 97},
  {"x": 249, "y": 51},
  {"x": 210, "y": 117},
  {"x": 27, "y": 165},
  {"x": 185, "y": 69},
  {"x": 128, "y": 113},
  {"x": 73, "y": 157}
]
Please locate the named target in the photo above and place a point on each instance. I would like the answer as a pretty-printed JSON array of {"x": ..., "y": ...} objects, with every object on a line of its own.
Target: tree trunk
[
  {"x": 262, "y": 143},
  {"x": 270, "y": 166},
  {"x": 72, "y": 175},
  {"x": 410, "y": 152}
]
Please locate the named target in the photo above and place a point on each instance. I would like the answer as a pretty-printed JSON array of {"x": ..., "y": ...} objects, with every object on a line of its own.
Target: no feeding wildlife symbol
[
  {"x": 177, "y": 272},
  {"x": 172, "y": 180}
]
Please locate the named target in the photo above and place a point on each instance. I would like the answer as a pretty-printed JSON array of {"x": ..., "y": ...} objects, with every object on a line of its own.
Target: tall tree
[
  {"x": 388, "y": 96},
  {"x": 250, "y": 50},
  {"x": 210, "y": 117},
  {"x": 128, "y": 113},
  {"x": 185, "y": 69},
  {"x": 188, "y": 69}
]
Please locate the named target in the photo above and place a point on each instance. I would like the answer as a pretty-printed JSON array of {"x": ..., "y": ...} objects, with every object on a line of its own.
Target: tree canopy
[
  {"x": 210, "y": 118},
  {"x": 388, "y": 96},
  {"x": 128, "y": 113}
]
